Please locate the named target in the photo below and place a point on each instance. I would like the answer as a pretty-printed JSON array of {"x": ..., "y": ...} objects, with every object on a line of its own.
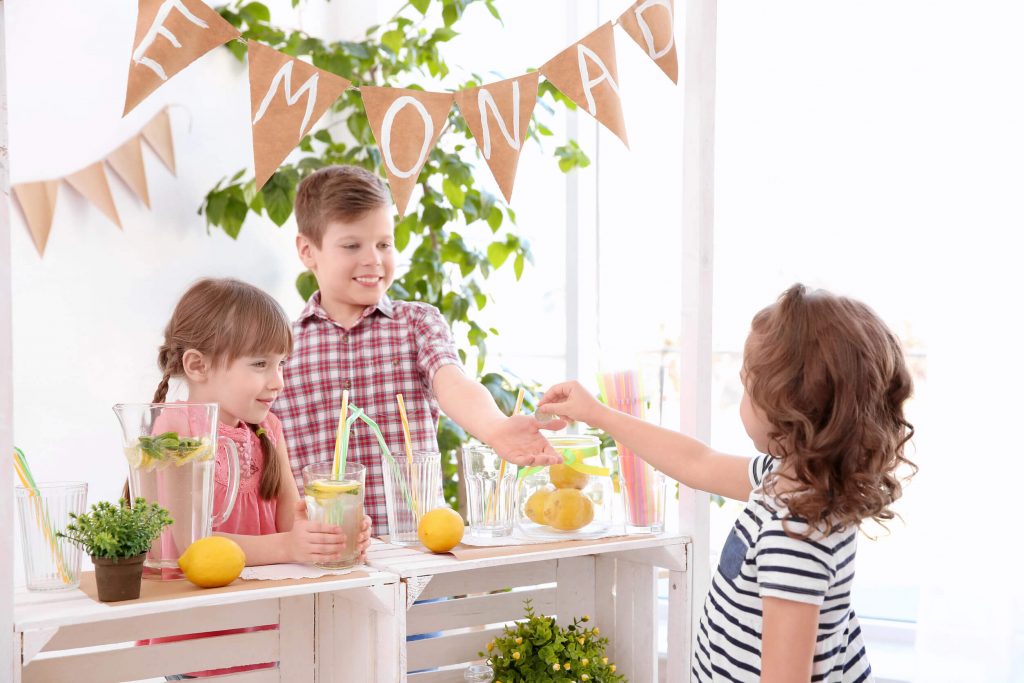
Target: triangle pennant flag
[
  {"x": 38, "y": 201},
  {"x": 91, "y": 183},
  {"x": 288, "y": 96},
  {"x": 406, "y": 125},
  {"x": 157, "y": 134},
  {"x": 498, "y": 115},
  {"x": 651, "y": 24},
  {"x": 126, "y": 161},
  {"x": 587, "y": 74},
  {"x": 170, "y": 35}
]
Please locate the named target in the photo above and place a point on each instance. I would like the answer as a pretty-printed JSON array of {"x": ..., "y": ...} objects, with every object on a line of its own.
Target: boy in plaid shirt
[{"x": 352, "y": 336}]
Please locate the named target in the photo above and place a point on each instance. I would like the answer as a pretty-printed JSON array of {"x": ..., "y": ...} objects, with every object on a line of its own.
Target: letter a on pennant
[
  {"x": 170, "y": 35},
  {"x": 651, "y": 24},
  {"x": 498, "y": 114},
  {"x": 288, "y": 97},
  {"x": 587, "y": 74},
  {"x": 406, "y": 125}
]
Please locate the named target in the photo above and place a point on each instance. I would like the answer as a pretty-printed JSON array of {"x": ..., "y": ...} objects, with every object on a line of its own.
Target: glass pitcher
[{"x": 172, "y": 452}]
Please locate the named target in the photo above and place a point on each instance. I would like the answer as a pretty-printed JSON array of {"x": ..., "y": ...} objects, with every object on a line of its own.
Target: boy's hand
[
  {"x": 569, "y": 400},
  {"x": 518, "y": 440},
  {"x": 364, "y": 538},
  {"x": 310, "y": 542}
]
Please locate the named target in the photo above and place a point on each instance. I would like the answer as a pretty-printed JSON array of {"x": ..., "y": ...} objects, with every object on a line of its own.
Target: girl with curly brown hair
[{"x": 824, "y": 386}]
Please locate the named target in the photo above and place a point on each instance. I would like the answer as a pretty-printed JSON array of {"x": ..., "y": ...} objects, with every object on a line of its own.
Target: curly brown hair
[{"x": 831, "y": 379}]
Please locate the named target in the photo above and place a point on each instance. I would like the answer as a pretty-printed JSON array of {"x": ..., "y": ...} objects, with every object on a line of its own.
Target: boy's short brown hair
[{"x": 336, "y": 193}]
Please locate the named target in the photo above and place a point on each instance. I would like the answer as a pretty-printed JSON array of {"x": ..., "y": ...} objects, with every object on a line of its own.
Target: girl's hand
[
  {"x": 310, "y": 542},
  {"x": 364, "y": 539},
  {"x": 570, "y": 401}
]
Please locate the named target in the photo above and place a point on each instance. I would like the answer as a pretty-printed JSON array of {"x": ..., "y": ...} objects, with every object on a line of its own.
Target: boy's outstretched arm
[
  {"x": 469, "y": 404},
  {"x": 684, "y": 459}
]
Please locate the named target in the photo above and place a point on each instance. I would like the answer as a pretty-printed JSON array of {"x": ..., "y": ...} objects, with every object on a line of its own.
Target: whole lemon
[
  {"x": 535, "y": 505},
  {"x": 568, "y": 510},
  {"x": 565, "y": 477},
  {"x": 441, "y": 529},
  {"x": 212, "y": 562}
]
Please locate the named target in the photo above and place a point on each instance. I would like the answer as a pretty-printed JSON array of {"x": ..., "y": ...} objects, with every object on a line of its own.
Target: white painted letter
[
  {"x": 485, "y": 99},
  {"x": 385, "y": 134},
  {"x": 157, "y": 28},
  {"x": 285, "y": 74},
  {"x": 583, "y": 52},
  {"x": 646, "y": 30}
]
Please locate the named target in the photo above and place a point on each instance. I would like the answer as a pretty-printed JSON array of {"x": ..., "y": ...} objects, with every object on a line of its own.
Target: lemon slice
[{"x": 327, "y": 489}]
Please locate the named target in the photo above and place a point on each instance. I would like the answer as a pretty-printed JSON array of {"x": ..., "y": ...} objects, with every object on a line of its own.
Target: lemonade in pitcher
[{"x": 337, "y": 501}]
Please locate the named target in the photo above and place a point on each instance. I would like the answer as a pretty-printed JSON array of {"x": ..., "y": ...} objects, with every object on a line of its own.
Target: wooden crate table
[
  {"x": 356, "y": 618},
  {"x": 613, "y": 581}
]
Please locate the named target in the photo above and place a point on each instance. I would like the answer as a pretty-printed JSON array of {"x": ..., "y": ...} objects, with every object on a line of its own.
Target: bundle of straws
[
  {"x": 41, "y": 514},
  {"x": 621, "y": 390}
]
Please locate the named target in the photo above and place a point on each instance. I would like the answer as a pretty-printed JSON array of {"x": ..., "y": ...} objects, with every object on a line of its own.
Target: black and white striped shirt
[{"x": 759, "y": 560}]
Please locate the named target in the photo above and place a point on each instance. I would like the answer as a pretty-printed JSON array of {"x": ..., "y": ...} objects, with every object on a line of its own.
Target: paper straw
[
  {"x": 358, "y": 414},
  {"x": 341, "y": 439},
  {"x": 493, "y": 503},
  {"x": 42, "y": 516},
  {"x": 408, "y": 454}
]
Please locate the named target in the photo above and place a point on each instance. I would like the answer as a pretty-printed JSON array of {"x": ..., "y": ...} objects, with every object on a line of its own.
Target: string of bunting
[
  {"x": 288, "y": 96},
  {"x": 38, "y": 199}
]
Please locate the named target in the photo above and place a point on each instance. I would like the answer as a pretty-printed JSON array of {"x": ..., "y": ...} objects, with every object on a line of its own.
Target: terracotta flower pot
[{"x": 118, "y": 579}]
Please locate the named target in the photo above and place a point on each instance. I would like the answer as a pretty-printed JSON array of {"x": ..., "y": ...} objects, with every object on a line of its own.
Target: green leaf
[
  {"x": 518, "y": 266},
  {"x": 420, "y": 5},
  {"x": 497, "y": 253},
  {"x": 403, "y": 231},
  {"x": 450, "y": 14},
  {"x": 393, "y": 40},
  {"x": 454, "y": 193},
  {"x": 494, "y": 218},
  {"x": 306, "y": 284},
  {"x": 255, "y": 12}
]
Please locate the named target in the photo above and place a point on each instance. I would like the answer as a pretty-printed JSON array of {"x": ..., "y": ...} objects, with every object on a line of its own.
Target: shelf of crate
[
  {"x": 462, "y": 604},
  {"x": 67, "y": 636}
]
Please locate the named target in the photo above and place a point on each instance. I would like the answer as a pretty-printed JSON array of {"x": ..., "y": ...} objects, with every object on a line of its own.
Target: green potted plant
[
  {"x": 117, "y": 538},
  {"x": 538, "y": 650}
]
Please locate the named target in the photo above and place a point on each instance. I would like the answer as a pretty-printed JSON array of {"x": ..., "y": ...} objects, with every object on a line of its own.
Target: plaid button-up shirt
[{"x": 395, "y": 347}]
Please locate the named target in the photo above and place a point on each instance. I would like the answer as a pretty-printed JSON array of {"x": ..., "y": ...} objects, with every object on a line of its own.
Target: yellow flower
[
  {"x": 568, "y": 665},
  {"x": 604, "y": 660},
  {"x": 519, "y": 641},
  {"x": 612, "y": 668},
  {"x": 585, "y": 677},
  {"x": 555, "y": 666},
  {"x": 585, "y": 661},
  {"x": 585, "y": 618},
  {"x": 597, "y": 631},
  {"x": 581, "y": 639},
  {"x": 515, "y": 655},
  {"x": 490, "y": 646}
]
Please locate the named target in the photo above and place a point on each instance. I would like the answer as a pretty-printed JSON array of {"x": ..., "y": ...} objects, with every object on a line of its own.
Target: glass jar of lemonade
[
  {"x": 336, "y": 500},
  {"x": 571, "y": 500}
]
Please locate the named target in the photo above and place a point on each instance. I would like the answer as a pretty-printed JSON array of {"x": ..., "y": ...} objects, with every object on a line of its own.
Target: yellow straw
[
  {"x": 501, "y": 470},
  {"x": 43, "y": 526},
  {"x": 408, "y": 455},
  {"x": 342, "y": 417}
]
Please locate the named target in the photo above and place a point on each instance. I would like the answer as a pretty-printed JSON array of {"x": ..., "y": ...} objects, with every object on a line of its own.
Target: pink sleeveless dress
[{"x": 251, "y": 515}]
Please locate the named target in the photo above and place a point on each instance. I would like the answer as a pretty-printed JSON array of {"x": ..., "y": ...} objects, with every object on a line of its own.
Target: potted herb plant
[
  {"x": 538, "y": 650},
  {"x": 117, "y": 538}
]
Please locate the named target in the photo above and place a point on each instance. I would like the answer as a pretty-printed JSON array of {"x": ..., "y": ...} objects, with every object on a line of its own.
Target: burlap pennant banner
[
  {"x": 170, "y": 35},
  {"x": 406, "y": 125},
  {"x": 587, "y": 74},
  {"x": 157, "y": 134},
  {"x": 127, "y": 163},
  {"x": 498, "y": 115},
  {"x": 651, "y": 24},
  {"x": 288, "y": 96},
  {"x": 38, "y": 202},
  {"x": 91, "y": 183}
]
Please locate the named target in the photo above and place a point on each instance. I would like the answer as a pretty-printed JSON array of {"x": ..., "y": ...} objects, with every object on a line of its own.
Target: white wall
[{"x": 89, "y": 316}]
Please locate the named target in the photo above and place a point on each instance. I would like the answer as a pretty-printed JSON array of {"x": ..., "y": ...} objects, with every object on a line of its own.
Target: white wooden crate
[
  {"x": 614, "y": 583},
  {"x": 358, "y": 620}
]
